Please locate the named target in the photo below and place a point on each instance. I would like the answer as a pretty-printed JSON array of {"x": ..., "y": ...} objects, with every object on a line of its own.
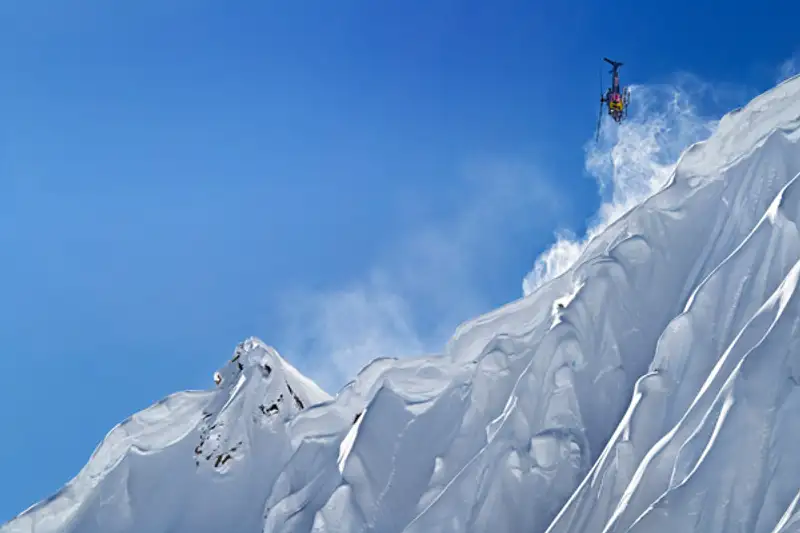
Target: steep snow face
[
  {"x": 652, "y": 387},
  {"x": 697, "y": 351}
]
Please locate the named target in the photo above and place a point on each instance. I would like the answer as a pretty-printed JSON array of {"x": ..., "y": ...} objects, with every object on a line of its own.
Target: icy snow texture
[{"x": 653, "y": 387}]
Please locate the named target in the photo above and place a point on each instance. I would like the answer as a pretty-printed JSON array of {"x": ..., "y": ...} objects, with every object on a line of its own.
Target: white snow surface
[{"x": 653, "y": 387}]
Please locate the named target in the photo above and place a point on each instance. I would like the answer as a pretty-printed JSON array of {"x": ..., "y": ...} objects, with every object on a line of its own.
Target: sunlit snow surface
[{"x": 651, "y": 388}]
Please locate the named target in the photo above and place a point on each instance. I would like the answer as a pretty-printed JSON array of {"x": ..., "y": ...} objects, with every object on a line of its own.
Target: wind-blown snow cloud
[
  {"x": 412, "y": 298},
  {"x": 789, "y": 68},
  {"x": 633, "y": 160}
]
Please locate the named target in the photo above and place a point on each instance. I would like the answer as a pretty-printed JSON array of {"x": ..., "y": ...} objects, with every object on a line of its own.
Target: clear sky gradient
[{"x": 342, "y": 179}]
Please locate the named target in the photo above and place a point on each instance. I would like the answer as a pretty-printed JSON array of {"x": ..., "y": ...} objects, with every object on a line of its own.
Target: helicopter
[{"x": 616, "y": 97}]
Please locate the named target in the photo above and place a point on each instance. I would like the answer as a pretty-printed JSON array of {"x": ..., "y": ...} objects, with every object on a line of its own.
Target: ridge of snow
[
  {"x": 202, "y": 434},
  {"x": 650, "y": 387}
]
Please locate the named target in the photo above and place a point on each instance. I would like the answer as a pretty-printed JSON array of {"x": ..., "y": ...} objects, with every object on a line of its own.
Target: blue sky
[{"x": 350, "y": 179}]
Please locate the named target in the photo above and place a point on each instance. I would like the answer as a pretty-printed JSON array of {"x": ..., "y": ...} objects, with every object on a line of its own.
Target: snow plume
[
  {"x": 634, "y": 159},
  {"x": 413, "y": 296},
  {"x": 789, "y": 68},
  {"x": 341, "y": 330}
]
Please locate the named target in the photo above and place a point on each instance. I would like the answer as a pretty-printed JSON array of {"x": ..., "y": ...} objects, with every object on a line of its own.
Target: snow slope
[{"x": 652, "y": 387}]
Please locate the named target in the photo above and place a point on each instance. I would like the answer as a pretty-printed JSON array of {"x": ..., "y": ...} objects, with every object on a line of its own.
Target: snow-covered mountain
[{"x": 652, "y": 387}]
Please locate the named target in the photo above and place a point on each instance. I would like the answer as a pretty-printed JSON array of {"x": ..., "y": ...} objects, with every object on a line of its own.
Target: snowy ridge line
[
  {"x": 685, "y": 164},
  {"x": 383, "y": 384},
  {"x": 68, "y": 507},
  {"x": 776, "y": 137},
  {"x": 643, "y": 390},
  {"x": 610, "y": 260},
  {"x": 113, "y": 445},
  {"x": 679, "y": 170},
  {"x": 494, "y": 427},
  {"x": 352, "y": 398},
  {"x": 739, "y": 134}
]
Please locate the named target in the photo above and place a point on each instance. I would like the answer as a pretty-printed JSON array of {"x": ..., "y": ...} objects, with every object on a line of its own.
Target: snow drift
[{"x": 652, "y": 387}]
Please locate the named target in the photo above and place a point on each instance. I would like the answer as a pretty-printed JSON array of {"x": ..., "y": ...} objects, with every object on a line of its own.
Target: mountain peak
[{"x": 253, "y": 359}]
